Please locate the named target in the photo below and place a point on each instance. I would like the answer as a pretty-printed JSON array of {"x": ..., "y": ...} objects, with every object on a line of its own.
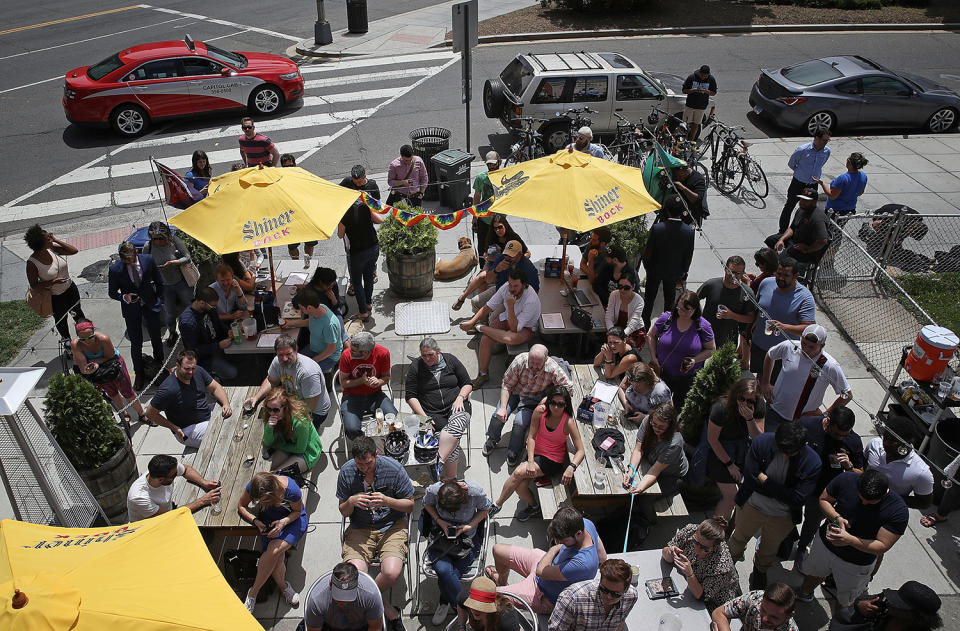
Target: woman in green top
[{"x": 289, "y": 432}]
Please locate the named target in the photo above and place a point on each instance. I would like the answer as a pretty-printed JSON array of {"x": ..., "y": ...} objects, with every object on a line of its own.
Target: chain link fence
[{"x": 888, "y": 274}]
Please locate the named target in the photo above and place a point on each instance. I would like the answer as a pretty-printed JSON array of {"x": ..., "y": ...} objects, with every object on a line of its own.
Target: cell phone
[{"x": 451, "y": 532}]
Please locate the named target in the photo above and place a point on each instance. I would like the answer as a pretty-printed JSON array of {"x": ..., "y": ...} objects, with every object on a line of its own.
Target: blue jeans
[
  {"x": 521, "y": 422},
  {"x": 449, "y": 571},
  {"x": 219, "y": 364},
  {"x": 363, "y": 266},
  {"x": 176, "y": 298},
  {"x": 354, "y": 406}
]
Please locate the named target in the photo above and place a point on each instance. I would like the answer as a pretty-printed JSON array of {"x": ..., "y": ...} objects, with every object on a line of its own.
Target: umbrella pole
[
  {"x": 273, "y": 278},
  {"x": 563, "y": 255}
]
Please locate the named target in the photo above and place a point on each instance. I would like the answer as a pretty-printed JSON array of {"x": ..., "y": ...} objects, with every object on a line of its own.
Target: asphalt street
[{"x": 358, "y": 111}]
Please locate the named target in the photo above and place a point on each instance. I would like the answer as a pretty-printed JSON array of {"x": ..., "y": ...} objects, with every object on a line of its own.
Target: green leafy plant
[
  {"x": 81, "y": 421},
  {"x": 398, "y": 240},
  {"x": 199, "y": 253},
  {"x": 721, "y": 371},
  {"x": 631, "y": 235},
  {"x": 17, "y": 323}
]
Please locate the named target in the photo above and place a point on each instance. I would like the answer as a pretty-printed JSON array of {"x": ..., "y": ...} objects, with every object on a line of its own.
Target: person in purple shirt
[
  {"x": 680, "y": 341},
  {"x": 407, "y": 178}
]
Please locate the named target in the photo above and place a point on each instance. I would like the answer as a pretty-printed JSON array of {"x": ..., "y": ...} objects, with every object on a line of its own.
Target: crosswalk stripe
[
  {"x": 372, "y": 76},
  {"x": 346, "y": 97},
  {"x": 379, "y": 61}
]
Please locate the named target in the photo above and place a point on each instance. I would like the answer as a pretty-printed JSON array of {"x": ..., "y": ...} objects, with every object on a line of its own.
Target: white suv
[{"x": 546, "y": 85}]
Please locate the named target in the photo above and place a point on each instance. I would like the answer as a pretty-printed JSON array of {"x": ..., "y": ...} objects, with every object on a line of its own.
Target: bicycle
[
  {"x": 629, "y": 145},
  {"x": 676, "y": 142},
  {"x": 530, "y": 146},
  {"x": 556, "y": 136},
  {"x": 733, "y": 164}
]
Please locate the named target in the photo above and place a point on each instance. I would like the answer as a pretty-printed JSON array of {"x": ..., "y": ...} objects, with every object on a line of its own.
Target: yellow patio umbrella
[
  {"x": 259, "y": 208},
  {"x": 572, "y": 190},
  {"x": 151, "y": 575}
]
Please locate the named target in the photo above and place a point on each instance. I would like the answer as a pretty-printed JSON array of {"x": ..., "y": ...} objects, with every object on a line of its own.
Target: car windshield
[
  {"x": 516, "y": 76},
  {"x": 105, "y": 67},
  {"x": 234, "y": 59},
  {"x": 811, "y": 72}
]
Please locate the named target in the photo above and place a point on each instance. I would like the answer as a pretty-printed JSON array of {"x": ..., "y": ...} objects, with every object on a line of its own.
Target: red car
[{"x": 130, "y": 89}]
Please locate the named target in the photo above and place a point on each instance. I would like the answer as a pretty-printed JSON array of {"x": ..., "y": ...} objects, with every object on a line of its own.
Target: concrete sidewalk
[{"x": 405, "y": 33}]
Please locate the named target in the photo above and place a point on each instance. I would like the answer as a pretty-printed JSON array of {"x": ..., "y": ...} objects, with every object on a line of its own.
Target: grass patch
[
  {"x": 17, "y": 323},
  {"x": 937, "y": 294}
]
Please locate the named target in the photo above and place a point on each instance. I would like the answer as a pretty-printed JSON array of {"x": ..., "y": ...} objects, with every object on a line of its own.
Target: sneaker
[
  {"x": 513, "y": 459},
  {"x": 291, "y": 596},
  {"x": 488, "y": 447},
  {"x": 440, "y": 615},
  {"x": 528, "y": 512},
  {"x": 494, "y": 509},
  {"x": 67, "y": 348},
  {"x": 804, "y": 597},
  {"x": 481, "y": 379},
  {"x": 306, "y": 262},
  {"x": 396, "y": 624},
  {"x": 250, "y": 602}
]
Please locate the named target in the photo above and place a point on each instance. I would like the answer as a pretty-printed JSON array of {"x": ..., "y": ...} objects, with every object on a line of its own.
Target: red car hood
[{"x": 267, "y": 62}]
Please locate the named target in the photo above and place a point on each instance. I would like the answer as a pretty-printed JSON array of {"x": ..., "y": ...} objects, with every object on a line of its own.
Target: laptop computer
[{"x": 578, "y": 296}]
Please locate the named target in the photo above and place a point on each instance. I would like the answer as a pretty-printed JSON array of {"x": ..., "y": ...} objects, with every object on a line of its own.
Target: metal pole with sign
[{"x": 464, "y": 39}]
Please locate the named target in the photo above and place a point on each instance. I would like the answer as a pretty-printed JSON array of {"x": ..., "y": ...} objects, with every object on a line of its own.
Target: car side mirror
[
  {"x": 226, "y": 72},
  {"x": 661, "y": 96}
]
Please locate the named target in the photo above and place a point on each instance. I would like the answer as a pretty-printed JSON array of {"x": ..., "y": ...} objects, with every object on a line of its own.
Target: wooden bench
[
  {"x": 516, "y": 349},
  {"x": 671, "y": 507},
  {"x": 552, "y": 497}
]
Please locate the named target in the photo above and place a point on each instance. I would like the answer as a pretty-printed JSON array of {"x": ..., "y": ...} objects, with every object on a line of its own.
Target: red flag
[{"x": 174, "y": 187}]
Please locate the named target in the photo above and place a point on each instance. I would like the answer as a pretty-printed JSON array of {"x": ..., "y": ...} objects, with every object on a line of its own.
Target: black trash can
[
  {"x": 453, "y": 176},
  {"x": 428, "y": 142},
  {"x": 357, "y": 16}
]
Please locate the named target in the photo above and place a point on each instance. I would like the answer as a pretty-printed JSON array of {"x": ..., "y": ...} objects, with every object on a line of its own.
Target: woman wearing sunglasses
[
  {"x": 735, "y": 420},
  {"x": 546, "y": 452},
  {"x": 500, "y": 234},
  {"x": 700, "y": 553},
  {"x": 625, "y": 310},
  {"x": 281, "y": 521},
  {"x": 289, "y": 432},
  {"x": 92, "y": 348},
  {"x": 640, "y": 391},
  {"x": 617, "y": 356}
]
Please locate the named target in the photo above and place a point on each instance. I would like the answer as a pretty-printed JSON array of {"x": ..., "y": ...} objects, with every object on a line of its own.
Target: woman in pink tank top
[{"x": 546, "y": 452}]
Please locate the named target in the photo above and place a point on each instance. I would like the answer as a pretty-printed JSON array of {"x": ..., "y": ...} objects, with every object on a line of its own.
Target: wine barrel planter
[
  {"x": 411, "y": 275},
  {"x": 109, "y": 483}
]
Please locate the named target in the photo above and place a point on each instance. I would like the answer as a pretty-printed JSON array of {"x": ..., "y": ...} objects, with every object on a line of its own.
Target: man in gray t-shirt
[
  {"x": 299, "y": 375},
  {"x": 347, "y": 600}
]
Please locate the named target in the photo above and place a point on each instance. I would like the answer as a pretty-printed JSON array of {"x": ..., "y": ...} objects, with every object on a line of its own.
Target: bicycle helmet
[
  {"x": 397, "y": 446},
  {"x": 426, "y": 447},
  {"x": 652, "y": 118}
]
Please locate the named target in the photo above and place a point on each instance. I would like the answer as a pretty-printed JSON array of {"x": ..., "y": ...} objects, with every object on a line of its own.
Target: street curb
[
  {"x": 306, "y": 48},
  {"x": 706, "y": 30}
]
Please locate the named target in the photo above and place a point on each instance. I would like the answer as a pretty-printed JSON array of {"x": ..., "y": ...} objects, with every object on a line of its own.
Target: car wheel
[
  {"x": 129, "y": 120},
  {"x": 493, "y": 98},
  {"x": 942, "y": 120},
  {"x": 820, "y": 119},
  {"x": 266, "y": 99},
  {"x": 555, "y": 137}
]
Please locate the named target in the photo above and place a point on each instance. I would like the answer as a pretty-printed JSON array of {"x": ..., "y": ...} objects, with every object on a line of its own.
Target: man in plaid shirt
[
  {"x": 524, "y": 383},
  {"x": 770, "y": 610},
  {"x": 602, "y": 604}
]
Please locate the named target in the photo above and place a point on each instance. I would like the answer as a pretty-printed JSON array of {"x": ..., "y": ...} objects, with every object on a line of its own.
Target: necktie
[{"x": 134, "y": 275}]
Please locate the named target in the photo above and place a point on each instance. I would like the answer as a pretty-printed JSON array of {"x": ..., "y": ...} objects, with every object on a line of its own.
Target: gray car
[{"x": 852, "y": 91}]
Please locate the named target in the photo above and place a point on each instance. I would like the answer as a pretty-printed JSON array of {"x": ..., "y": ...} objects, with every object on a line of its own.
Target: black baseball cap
[
  {"x": 809, "y": 193},
  {"x": 913, "y": 596}
]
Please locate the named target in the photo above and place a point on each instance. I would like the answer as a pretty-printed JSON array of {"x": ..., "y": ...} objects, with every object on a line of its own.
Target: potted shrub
[
  {"x": 203, "y": 257},
  {"x": 631, "y": 235},
  {"x": 410, "y": 252},
  {"x": 83, "y": 424},
  {"x": 717, "y": 376}
]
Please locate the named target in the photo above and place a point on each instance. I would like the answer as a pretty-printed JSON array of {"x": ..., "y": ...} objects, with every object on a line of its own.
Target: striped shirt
[
  {"x": 579, "y": 608},
  {"x": 256, "y": 150}
]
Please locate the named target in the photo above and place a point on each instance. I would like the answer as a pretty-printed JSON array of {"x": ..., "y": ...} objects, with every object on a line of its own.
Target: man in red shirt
[
  {"x": 256, "y": 148},
  {"x": 364, "y": 370}
]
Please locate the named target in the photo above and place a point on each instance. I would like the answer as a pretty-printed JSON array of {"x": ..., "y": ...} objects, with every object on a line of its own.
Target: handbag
[
  {"x": 40, "y": 300},
  {"x": 581, "y": 319},
  {"x": 190, "y": 273},
  {"x": 107, "y": 371},
  {"x": 736, "y": 450}
]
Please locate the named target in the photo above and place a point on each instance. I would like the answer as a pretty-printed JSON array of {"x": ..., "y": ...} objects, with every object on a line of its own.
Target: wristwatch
[
  {"x": 574, "y": 465},
  {"x": 728, "y": 463}
]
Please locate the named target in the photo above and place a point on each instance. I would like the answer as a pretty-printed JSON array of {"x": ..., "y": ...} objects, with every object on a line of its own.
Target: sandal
[
  {"x": 491, "y": 572},
  {"x": 931, "y": 520},
  {"x": 458, "y": 304}
]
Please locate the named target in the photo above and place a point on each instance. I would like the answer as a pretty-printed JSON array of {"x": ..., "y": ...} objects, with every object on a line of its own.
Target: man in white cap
[
  {"x": 482, "y": 191},
  {"x": 346, "y": 600},
  {"x": 584, "y": 142},
  {"x": 804, "y": 376}
]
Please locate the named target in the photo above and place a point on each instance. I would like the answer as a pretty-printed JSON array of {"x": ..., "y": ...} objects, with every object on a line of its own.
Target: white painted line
[
  {"x": 373, "y": 76},
  {"x": 196, "y": 16},
  {"x": 213, "y": 39},
  {"x": 379, "y": 61},
  {"x": 345, "y": 97},
  {"x": 20, "y": 87},
  {"x": 89, "y": 39}
]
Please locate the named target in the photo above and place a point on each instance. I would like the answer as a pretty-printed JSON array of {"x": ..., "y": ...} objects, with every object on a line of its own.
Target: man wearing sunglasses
[
  {"x": 256, "y": 149},
  {"x": 602, "y": 604}
]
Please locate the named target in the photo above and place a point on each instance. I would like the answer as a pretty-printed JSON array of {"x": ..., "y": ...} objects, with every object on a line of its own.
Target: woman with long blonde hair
[{"x": 289, "y": 432}]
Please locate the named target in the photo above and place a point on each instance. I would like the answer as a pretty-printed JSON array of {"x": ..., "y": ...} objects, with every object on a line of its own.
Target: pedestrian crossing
[{"x": 337, "y": 96}]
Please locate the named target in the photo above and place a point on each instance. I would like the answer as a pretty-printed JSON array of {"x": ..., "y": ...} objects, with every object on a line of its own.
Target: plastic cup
[{"x": 283, "y": 324}]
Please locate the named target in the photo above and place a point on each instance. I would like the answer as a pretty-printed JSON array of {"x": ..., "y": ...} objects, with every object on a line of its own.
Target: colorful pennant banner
[{"x": 443, "y": 221}]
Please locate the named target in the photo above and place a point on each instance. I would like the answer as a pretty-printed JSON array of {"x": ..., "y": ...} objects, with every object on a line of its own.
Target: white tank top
[{"x": 56, "y": 269}]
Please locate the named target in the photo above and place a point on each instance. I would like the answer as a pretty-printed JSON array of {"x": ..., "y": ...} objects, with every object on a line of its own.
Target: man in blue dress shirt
[{"x": 807, "y": 164}]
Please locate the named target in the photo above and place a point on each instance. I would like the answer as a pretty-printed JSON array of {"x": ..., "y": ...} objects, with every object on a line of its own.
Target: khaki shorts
[
  {"x": 367, "y": 543},
  {"x": 851, "y": 579},
  {"x": 692, "y": 116}
]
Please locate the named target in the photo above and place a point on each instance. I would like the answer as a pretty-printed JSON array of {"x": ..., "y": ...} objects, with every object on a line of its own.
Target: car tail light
[{"x": 792, "y": 100}]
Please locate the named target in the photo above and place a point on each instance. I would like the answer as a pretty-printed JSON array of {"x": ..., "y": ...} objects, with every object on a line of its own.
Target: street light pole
[{"x": 321, "y": 28}]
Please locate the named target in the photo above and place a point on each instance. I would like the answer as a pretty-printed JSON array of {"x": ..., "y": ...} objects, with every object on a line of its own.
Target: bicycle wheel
[
  {"x": 756, "y": 178},
  {"x": 729, "y": 174},
  {"x": 702, "y": 169}
]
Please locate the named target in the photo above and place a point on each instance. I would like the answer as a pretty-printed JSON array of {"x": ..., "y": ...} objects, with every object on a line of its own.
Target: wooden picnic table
[
  {"x": 253, "y": 347},
  {"x": 232, "y": 462}
]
